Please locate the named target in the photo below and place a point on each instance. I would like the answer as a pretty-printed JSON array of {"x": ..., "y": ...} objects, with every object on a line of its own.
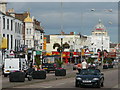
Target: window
[
  {"x": 40, "y": 47},
  {"x": 30, "y": 31},
  {"x": 3, "y": 23},
  {"x": 15, "y": 45},
  {"x": 26, "y": 42},
  {"x": 8, "y": 41},
  {"x": 8, "y": 24},
  {"x": 11, "y": 41},
  {"x": 41, "y": 37},
  {"x": 11, "y": 25},
  {"x": 20, "y": 29},
  {"x": 30, "y": 42},
  {"x": 16, "y": 27},
  {"x": 27, "y": 31},
  {"x": 3, "y": 35}
]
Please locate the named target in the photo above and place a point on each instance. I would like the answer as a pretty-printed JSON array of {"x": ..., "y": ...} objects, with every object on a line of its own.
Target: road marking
[{"x": 47, "y": 86}]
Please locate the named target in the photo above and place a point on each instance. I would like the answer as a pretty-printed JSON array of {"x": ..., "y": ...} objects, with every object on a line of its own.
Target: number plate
[
  {"x": 45, "y": 68},
  {"x": 86, "y": 81}
]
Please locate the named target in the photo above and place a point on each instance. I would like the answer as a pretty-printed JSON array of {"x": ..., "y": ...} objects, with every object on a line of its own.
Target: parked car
[
  {"x": 92, "y": 77},
  {"x": 49, "y": 66}
]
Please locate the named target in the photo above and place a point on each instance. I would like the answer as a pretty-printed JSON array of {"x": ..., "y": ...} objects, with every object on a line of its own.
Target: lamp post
[
  {"x": 102, "y": 43},
  {"x": 61, "y": 38}
]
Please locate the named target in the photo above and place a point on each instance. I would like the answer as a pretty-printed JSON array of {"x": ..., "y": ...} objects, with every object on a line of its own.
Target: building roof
[
  {"x": 21, "y": 16},
  {"x": 28, "y": 19},
  {"x": 99, "y": 27}
]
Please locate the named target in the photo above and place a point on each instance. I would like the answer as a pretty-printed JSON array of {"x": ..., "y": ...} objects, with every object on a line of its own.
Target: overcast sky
[{"x": 77, "y": 16}]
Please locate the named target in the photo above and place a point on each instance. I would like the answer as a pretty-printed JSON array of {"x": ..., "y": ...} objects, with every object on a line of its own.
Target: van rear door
[{"x": 11, "y": 64}]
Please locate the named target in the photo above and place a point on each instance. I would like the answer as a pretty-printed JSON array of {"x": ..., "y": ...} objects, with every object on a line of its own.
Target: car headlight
[
  {"x": 95, "y": 78},
  {"x": 78, "y": 78}
]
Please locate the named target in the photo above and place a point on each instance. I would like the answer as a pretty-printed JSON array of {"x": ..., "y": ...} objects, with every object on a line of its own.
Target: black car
[
  {"x": 49, "y": 66},
  {"x": 92, "y": 77}
]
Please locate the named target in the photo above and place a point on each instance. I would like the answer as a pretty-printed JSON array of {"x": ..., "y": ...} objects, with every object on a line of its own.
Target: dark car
[
  {"x": 92, "y": 77},
  {"x": 49, "y": 66}
]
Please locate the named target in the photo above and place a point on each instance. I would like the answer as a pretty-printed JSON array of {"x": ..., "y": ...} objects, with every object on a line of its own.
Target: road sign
[{"x": 87, "y": 51}]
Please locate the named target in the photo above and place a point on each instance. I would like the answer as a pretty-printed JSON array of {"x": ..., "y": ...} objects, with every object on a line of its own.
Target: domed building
[{"x": 99, "y": 38}]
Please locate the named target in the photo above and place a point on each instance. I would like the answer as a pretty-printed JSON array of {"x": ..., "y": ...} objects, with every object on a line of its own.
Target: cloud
[{"x": 76, "y": 16}]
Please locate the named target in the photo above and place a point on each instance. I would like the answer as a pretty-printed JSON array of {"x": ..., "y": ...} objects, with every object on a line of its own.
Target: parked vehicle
[
  {"x": 92, "y": 77},
  {"x": 14, "y": 64},
  {"x": 49, "y": 63}
]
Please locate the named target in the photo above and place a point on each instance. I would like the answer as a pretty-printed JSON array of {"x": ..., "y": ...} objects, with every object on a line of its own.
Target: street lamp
[
  {"x": 106, "y": 10},
  {"x": 61, "y": 38}
]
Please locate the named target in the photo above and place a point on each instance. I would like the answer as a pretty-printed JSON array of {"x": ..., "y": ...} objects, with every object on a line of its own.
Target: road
[{"x": 111, "y": 81}]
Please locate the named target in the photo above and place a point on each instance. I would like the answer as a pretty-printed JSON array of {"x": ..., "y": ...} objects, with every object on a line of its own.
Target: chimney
[
  {"x": 62, "y": 32},
  {"x": 71, "y": 33}
]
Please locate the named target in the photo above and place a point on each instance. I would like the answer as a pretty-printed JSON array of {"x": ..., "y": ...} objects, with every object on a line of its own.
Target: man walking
[{"x": 84, "y": 64}]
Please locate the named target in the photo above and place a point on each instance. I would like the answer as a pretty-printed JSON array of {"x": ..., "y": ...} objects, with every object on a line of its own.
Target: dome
[
  {"x": 99, "y": 27},
  {"x": 28, "y": 19}
]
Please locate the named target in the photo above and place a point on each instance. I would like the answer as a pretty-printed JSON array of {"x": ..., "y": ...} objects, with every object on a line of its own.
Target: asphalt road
[{"x": 111, "y": 81}]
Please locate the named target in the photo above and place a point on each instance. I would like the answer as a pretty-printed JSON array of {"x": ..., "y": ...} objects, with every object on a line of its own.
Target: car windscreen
[
  {"x": 48, "y": 60},
  {"x": 89, "y": 72}
]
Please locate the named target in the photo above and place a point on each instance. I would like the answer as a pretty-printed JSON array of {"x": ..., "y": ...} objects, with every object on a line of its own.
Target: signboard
[
  {"x": 38, "y": 52},
  {"x": 4, "y": 43},
  {"x": 111, "y": 54}
]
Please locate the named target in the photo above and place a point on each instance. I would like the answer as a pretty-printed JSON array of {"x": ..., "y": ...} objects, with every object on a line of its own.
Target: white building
[
  {"x": 76, "y": 41},
  {"x": 99, "y": 38},
  {"x": 33, "y": 33},
  {"x": 11, "y": 28}
]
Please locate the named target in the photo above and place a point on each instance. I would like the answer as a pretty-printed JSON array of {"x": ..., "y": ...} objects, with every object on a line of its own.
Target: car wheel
[
  {"x": 48, "y": 71},
  {"x": 5, "y": 75},
  {"x": 76, "y": 84},
  {"x": 29, "y": 78},
  {"x": 99, "y": 85},
  {"x": 74, "y": 68},
  {"x": 102, "y": 84}
]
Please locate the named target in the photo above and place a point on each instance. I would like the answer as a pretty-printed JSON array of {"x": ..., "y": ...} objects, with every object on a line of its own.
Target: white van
[{"x": 14, "y": 64}]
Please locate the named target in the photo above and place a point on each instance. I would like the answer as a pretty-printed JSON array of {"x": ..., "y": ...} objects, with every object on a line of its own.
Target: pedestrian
[
  {"x": 84, "y": 64},
  {"x": 79, "y": 67}
]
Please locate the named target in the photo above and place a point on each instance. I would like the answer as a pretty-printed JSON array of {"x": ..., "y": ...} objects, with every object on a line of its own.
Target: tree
[
  {"x": 60, "y": 49},
  {"x": 104, "y": 61},
  {"x": 90, "y": 60},
  {"x": 38, "y": 61}
]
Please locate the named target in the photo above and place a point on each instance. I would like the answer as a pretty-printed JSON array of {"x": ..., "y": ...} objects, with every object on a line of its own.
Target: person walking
[
  {"x": 79, "y": 66},
  {"x": 84, "y": 64}
]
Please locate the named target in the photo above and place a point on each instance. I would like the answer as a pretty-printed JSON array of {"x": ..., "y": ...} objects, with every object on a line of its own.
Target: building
[
  {"x": 32, "y": 31},
  {"x": 75, "y": 41},
  {"x": 11, "y": 28},
  {"x": 99, "y": 38},
  {"x": 10, "y": 32}
]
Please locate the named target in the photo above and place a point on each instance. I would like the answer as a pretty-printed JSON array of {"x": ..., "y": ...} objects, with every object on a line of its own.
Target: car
[
  {"x": 89, "y": 77},
  {"x": 49, "y": 66}
]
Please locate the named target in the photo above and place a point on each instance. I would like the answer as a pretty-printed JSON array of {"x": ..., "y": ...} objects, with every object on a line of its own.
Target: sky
[{"x": 73, "y": 16}]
